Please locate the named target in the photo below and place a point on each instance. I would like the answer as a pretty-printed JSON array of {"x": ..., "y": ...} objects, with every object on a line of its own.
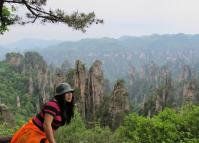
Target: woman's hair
[{"x": 67, "y": 108}]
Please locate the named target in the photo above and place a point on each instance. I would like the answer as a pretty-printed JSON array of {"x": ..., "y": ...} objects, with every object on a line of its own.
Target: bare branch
[{"x": 16, "y": 2}]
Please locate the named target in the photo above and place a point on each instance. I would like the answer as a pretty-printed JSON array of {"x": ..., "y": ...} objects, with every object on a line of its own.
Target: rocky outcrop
[
  {"x": 30, "y": 85},
  {"x": 5, "y": 115},
  {"x": 132, "y": 74},
  {"x": 165, "y": 76},
  {"x": 190, "y": 93},
  {"x": 160, "y": 99},
  {"x": 149, "y": 72},
  {"x": 163, "y": 92},
  {"x": 185, "y": 74},
  {"x": 15, "y": 59},
  {"x": 36, "y": 70},
  {"x": 153, "y": 72},
  {"x": 188, "y": 86},
  {"x": 119, "y": 105},
  {"x": 42, "y": 78},
  {"x": 80, "y": 78},
  {"x": 94, "y": 90}
]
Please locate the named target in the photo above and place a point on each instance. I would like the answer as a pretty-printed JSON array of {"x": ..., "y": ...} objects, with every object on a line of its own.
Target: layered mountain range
[{"x": 117, "y": 55}]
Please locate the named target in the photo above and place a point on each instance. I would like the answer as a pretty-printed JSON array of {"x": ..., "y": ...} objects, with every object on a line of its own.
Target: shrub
[{"x": 168, "y": 126}]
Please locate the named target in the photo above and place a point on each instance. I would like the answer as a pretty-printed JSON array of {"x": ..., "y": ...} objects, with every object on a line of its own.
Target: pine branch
[{"x": 78, "y": 21}]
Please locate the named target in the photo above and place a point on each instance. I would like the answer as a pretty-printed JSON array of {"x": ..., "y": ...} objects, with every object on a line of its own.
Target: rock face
[
  {"x": 57, "y": 77},
  {"x": 5, "y": 115},
  {"x": 80, "y": 78},
  {"x": 42, "y": 78},
  {"x": 163, "y": 92},
  {"x": 132, "y": 74},
  {"x": 185, "y": 74},
  {"x": 188, "y": 85},
  {"x": 161, "y": 98},
  {"x": 153, "y": 72},
  {"x": 119, "y": 104},
  {"x": 190, "y": 93},
  {"x": 165, "y": 75},
  {"x": 36, "y": 70},
  {"x": 149, "y": 72},
  {"x": 94, "y": 90},
  {"x": 14, "y": 59}
]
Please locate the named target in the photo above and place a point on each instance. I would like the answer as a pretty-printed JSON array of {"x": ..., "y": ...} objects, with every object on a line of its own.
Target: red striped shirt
[{"x": 53, "y": 109}]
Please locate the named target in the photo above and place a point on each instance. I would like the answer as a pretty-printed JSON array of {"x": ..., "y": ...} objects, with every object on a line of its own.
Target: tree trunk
[{"x": 1, "y": 11}]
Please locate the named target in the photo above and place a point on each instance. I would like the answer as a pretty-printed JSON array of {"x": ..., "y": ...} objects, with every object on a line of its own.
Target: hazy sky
[{"x": 122, "y": 17}]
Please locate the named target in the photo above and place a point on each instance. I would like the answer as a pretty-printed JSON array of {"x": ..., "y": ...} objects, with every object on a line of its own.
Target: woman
[{"x": 57, "y": 112}]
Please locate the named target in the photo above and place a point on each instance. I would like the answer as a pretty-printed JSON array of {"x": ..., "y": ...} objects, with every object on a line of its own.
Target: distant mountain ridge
[
  {"x": 26, "y": 44},
  {"x": 119, "y": 55}
]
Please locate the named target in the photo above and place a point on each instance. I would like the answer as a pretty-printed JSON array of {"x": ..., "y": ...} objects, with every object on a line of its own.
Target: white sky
[{"x": 122, "y": 17}]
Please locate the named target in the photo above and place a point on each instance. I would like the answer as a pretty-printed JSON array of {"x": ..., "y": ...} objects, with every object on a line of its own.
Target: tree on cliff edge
[{"x": 36, "y": 12}]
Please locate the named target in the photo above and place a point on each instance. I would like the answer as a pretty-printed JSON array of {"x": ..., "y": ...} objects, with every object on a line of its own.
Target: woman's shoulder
[
  {"x": 52, "y": 103},
  {"x": 51, "y": 107}
]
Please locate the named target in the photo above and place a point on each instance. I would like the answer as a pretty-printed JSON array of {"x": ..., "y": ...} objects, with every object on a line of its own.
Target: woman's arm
[{"x": 48, "y": 128}]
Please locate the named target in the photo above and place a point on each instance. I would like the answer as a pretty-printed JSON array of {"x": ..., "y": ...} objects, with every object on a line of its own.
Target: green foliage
[
  {"x": 167, "y": 127},
  {"x": 76, "y": 132},
  {"x": 102, "y": 113},
  {"x": 35, "y": 60},
  {"x": 6, "y": 129},
  {"x": 12, "y": 84},
  {"x": 76, "y": 20},
  {"x": 7, "y": 14},
  {"x": 8, "y": 18},
  {"x": 28, "y": 110}
]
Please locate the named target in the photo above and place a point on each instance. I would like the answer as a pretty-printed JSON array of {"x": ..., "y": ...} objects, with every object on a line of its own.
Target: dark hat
[{"x": 63, "y": 88}]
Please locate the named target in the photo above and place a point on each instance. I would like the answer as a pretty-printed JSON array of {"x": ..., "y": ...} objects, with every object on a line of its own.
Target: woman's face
[{"x": 68, "y": 96}]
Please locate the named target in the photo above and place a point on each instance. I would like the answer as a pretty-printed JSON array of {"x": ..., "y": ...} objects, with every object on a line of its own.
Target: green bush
[
  {"x": 168, "y": 126},
  {"x": 76, "y": 132},
  {"x": 7, "y": 129}
]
